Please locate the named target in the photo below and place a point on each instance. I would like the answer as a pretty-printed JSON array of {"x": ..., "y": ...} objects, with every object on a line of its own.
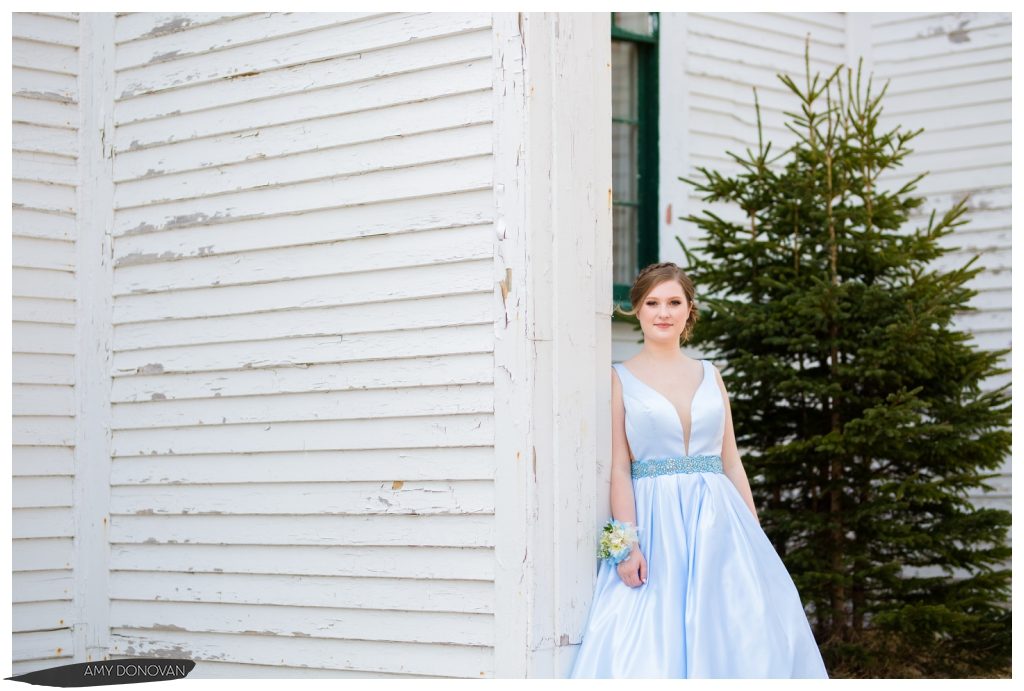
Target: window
[{"x": 634, "y": 146}]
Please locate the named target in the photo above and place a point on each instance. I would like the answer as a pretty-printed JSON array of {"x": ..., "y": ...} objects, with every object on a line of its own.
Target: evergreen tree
[{"x": 858, "y": 405}]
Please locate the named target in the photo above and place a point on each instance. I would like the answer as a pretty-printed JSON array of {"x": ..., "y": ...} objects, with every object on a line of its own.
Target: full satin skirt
[{"x": 718, "y": 602}]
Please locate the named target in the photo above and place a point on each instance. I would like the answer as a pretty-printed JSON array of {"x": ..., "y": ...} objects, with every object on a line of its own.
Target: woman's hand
[{"x": 633, "y": 569}]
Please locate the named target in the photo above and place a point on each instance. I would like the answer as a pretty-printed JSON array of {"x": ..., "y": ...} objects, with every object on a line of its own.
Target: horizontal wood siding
[
  {"x": 950, "y": 74},
  {"x": 730, "y": 54},
  {"x": 45, "y": 181},
  {"x": 302, "y": 406},
  {"x": 710, "y": 63}
]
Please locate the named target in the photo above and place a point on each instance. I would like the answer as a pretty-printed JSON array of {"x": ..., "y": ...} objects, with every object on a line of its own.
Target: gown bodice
[{"x": 654, "y": 429}]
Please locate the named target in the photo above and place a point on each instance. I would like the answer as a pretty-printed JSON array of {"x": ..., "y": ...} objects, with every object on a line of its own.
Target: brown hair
[{"x": 650, "y": 276}]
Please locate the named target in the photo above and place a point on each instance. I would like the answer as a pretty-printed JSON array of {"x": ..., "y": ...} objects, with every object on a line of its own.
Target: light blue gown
[{"x": 718, "y": 602}]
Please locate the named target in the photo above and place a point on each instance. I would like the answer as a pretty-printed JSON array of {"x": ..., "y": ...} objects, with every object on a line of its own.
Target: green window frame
[{"x": 634, "y": 144}]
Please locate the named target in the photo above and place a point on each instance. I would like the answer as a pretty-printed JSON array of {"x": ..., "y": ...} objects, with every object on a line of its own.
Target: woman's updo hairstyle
[{"x": 654, "y": 274}]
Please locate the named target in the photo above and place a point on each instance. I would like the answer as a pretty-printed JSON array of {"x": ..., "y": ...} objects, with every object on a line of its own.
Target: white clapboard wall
[
  {"x": 302, "y": 450},
  {"x": 44, "y": 190},
  {"x": 301, "y": 312},
  {"x": 950, "y": 74}
]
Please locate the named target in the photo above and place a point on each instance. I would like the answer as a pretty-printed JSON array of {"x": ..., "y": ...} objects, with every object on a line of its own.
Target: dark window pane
[
  {"x": 624, "y": 162},
  {"x": 624, "y": 80},
  {"x": 624, "y": 244},
  {"x": 624, "y": 158}
]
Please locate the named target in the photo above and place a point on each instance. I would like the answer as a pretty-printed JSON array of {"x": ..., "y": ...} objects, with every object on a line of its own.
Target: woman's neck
[{"x": 663, "y": 353}]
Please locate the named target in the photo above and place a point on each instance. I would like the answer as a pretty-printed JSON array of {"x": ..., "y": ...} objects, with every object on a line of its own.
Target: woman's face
[{"x": 664, "y": 312}]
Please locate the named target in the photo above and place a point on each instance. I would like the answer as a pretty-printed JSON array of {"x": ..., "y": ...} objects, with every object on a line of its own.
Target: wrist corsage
[{"x": 617, "y": 540}]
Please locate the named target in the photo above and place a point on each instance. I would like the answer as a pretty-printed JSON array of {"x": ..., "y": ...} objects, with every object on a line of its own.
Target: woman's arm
[
  {"x": 622, "y": 499},
  {"x": 731, "y": 462},
  {"x": 633, "y": 569}
]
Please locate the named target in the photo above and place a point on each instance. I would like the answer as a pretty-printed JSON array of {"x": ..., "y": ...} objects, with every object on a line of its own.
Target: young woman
[{"x": 702, "y": 593}]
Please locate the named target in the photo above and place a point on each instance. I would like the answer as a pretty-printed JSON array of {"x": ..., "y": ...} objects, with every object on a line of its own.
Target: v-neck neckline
[{"x": 679, "y": 419}]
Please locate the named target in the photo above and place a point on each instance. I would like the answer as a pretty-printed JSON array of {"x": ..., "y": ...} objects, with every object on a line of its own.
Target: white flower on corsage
[{"x": 617, "y": 540}]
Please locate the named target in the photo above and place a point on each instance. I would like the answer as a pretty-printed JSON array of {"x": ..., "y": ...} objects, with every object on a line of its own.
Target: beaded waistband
[{"x": 682, "y": 464}]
